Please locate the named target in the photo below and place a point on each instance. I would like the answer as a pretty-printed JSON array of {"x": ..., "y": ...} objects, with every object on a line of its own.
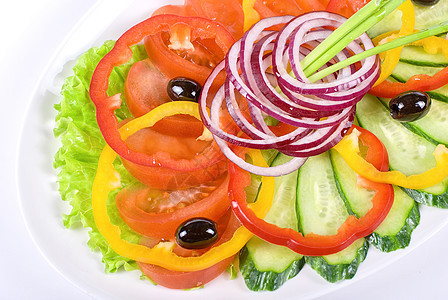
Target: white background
[{"x": 30, "y": 33}]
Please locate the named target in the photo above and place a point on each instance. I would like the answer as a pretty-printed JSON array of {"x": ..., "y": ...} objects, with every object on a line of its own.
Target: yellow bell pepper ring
[
  {"x": 251, "y": 16},
  {"x": 391, "y": 57},
  {"x": 107, "y": 179},
  {"x": 349, "y": 149}
]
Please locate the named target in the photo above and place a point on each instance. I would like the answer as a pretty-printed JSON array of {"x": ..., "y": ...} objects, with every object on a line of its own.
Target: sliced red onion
[{"x": 259, "y": 68}]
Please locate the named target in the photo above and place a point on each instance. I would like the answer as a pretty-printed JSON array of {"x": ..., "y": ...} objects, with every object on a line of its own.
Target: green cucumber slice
[
  {"x": 395, "y": 231},
  {"x": 425, "y": 17},
  {"x": 257, "y": 280},
  {"x": 415, "y": 55},
  {"x": 440, "y": 201},
  {"x": 434, "y": 126},
  {"x": 321, "y": 210},
  {"x": 357, "y": 199},
  {"x": 341, "y": 265},
  {"x": 408, "y": 152},
  {"x": 266, "y": 266}
]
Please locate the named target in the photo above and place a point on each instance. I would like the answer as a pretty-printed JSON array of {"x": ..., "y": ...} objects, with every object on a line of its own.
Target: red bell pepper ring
[
  {"x": 421, "y": 82},
  {"x": 314, "y": 244},
  {"x": 120, "y": 54}
]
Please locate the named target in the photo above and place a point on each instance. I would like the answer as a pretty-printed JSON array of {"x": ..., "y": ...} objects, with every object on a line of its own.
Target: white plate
[{"x": 66, "y": 249}]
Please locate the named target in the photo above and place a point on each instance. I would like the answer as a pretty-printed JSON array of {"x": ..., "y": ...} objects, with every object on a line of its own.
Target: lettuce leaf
[{"x": 81, "y": 145}]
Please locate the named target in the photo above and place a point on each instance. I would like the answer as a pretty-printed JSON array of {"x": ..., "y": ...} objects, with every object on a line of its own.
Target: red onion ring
[{"x": 257, "y": 69}]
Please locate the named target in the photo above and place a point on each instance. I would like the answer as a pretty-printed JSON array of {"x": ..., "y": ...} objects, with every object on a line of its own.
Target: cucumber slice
[
  {"x": 425, "y": 16},
  {"x": 257, "y": 280},
  {"x": 390, "y": 23},
  {"x": 440, "y": 201},
  {"x": 341, "y": 265},
  {"x": 357, "y": 199},
  {"x": 322, "y": 210},
  {"x": 265, "y": 266},
  {"x": 395, "y": 231},
  {"x": 408, "y": 152},
  {"x": 434, "y": 126},
  {"x": 415, "y": 55},
  {"x": 404, "y": 71}
]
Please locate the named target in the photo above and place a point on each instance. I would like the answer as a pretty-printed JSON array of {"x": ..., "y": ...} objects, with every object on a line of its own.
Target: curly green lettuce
[{"x": 81, "y": 145}]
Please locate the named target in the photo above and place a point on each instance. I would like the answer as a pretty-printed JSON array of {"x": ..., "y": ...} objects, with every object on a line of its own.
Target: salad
[{"x": 261, "y": 191}]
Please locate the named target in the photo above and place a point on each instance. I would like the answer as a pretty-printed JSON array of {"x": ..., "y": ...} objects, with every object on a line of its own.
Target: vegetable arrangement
[{"x": 265, "y": 170}]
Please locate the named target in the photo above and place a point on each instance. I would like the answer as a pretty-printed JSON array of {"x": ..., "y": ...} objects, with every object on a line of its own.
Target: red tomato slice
[
  {"x": 271, "y": 8},
  {"x": 180, "y": 10},
  {"x": 195, "y": 64},
  {"x": 227, "y": 12},
  {"x": 207, "y": 35},
  {"x": 183, "y": 149},
  {"x": 346, "y": 7},
  {"x": 188, "y": 280},
  {"x": 157, "y": 213},
  {"x": 184, "y": 280},
  {"x": 146, "y": 88},
  {"x": 316, "y": 4}
]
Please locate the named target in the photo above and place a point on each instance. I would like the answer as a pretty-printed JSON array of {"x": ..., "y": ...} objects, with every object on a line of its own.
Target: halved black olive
[
  {"x": 425, "y": 2},
  {"x": 184, "y": 89},
  {"x": 197, "y": 233},
  {"x": 410, "y": 106}
]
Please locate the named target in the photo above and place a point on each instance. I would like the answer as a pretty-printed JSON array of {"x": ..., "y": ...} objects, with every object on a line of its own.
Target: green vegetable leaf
[{"x": 81, "y": 145}]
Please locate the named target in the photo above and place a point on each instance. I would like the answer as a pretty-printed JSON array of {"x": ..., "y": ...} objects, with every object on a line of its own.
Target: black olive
[
  {"x": 197, "y": 233},
  {"x": 183, "y": 89},
  {"x": 425, "y": 2},
  {"x": 409, "y": 106}
]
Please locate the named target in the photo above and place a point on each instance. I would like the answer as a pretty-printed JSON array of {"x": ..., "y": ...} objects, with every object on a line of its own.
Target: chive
[
  {"x": 360, "y": 22},
  {"x": 434, "y": 30}
]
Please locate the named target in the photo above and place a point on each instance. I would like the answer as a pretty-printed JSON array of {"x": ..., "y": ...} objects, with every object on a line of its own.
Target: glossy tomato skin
[
  {"x": 228, "y": 12},
  {"x": 183, "y": 150},
  {"x": 160, "y": 216},
  {"x": 196, "y": 64},
  {"x": 146, "y": 88},
  {"x": 273, "y": 8},
  {"x": 168, "y": 179},
  {"x": 146, "y": 83},
  {"x": 345, "y": 7},
  {"x": 227, "y": 226},
  {"x": 184, "y": 280}
]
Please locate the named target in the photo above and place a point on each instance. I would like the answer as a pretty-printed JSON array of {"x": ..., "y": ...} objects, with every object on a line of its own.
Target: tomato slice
[
  {"x": 209, "y": 34},
  {"x": 346, "y": 7},
  {"x": 229, "y": 13},
  {"x": 174, "y": 148},
  {"x": 195, "y": 64},
  {"x": 146, "y": 88},
  {"x": 187, "y": 280},
  {"x": 271, "y": 8},
  {"x": 184, "y": 280},
  {"x": 180, "y": 10},
  {"x": 158, "y": 213}
]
